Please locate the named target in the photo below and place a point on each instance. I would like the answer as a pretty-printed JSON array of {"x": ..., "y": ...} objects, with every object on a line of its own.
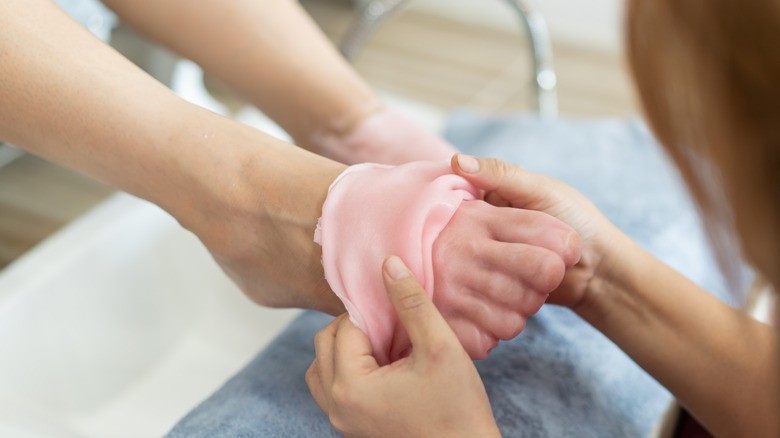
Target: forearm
[
  {"x": 71, "y": 99},
  {"x": 717, "y": 361},
  {"x": 268, "y": 50}
]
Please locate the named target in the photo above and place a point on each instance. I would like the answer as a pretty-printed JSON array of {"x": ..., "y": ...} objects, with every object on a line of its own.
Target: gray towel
[{"x": 560, "y": 377}]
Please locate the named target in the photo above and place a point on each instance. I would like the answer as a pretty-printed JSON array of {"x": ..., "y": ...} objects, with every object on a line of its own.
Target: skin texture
[
  {"x": 364, "y": 400},
  {"x": 486, "y": 284}
]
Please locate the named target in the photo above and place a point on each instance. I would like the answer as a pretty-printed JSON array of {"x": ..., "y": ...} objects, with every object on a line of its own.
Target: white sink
[
  {"x": 118, "y": 325},
  {"x": 121, "y": 323}
]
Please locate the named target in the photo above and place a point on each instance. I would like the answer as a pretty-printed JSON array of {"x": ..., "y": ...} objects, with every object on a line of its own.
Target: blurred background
[
  {"x": 440, "y": 53},
  {"x": 94, "y": 338}
]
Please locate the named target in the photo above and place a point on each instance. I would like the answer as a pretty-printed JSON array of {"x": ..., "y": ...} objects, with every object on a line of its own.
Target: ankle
[{"x": 382, "y": 136}]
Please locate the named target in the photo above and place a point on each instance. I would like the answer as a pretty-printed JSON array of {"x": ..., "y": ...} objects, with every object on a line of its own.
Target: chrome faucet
[{"x": 376, "y": 11}]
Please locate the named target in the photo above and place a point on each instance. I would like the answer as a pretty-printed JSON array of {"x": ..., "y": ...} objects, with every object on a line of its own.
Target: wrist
[{"x": 612, "y": 266}]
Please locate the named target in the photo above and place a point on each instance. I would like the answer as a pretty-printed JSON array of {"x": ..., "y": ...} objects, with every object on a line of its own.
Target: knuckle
[
  {"x": 499, "y": 284},
  {"x": 311, "y": 373},
  {"x": 564, "y": 242},
  {"x": 343, "y": 322},
  {"x": 338, "y": 421},
  {"x": 318, "y": 338},
  {"x": 550, "y": 271},
  {"x": 439, "y": 351},
  {"x": 556, "y": 269},
  {"x": 348, "y": 407},
  {"x": 470, "y": 249},
  {"x": 499, "y": 170},
  {"x": 343, "y": 395},
  {"x": 412, "y": 300},
  {"x": 573, "y": 248},
  {"x": 505, "y": 171},
  {"x": 511, "y": 327}
]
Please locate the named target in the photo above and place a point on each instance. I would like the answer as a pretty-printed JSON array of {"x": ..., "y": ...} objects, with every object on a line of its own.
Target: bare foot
[{"x": 487, "y": 268}]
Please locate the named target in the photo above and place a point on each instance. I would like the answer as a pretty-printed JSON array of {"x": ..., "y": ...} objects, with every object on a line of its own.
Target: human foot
[{"x": 487, "y": 268}]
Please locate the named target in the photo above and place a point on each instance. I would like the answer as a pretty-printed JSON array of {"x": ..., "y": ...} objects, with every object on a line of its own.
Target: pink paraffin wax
[{"x": 373, "y": 211}]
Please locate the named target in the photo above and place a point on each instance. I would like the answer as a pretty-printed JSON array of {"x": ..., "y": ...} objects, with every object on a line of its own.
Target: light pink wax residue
[{"x": 373, "y": 211}]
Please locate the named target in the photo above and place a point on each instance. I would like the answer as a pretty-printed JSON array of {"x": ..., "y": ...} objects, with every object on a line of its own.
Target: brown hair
[{"x": 708, "y": 75}]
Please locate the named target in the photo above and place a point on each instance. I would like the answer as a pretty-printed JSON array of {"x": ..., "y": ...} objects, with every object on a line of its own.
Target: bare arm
[
  {"x": 251, "y": 199},
  {"x": 268, "y": 50},
  {"x": 720, "y": 363},
  {"x": 717, "y": 361}
]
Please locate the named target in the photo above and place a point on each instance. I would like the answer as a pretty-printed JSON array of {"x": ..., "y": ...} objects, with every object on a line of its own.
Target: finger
[
  {"x": 352, "y": 351},
  {"x": 531, "y": 266},
  {"x": 523, "y": 189},
  {"x": 501, "y": 271},
  {"x": 426, "y": 327},
  {"x": 477, "y": 342},
  {"x": 315, "y": 387},
  {"x": 502, "y": 322},
  {"x": 323, "y": 346},
  {"x": 507, "y": 291},
  {"x": 526, "y": 226}
]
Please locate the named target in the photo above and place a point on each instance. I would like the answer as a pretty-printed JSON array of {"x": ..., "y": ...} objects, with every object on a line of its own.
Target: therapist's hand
[
  {"x": 434, "y": 392},
  {"x": 510, "y": 185}
]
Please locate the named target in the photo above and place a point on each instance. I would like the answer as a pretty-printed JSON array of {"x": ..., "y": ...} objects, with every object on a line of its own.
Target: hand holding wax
[
  {"x": 435, "y": 392},
  {"x": 486, "y": 268}
]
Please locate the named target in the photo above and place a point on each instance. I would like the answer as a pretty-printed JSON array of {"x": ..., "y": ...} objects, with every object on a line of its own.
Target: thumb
[
  {"x": 521, "y": 188},
  {"x": 426, "y": 327}
]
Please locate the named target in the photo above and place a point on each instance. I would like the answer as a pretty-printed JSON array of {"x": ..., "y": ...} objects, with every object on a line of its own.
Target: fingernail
[
  {"x": 396, "y": 269},
  {"x": 468, "y": 163}
]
